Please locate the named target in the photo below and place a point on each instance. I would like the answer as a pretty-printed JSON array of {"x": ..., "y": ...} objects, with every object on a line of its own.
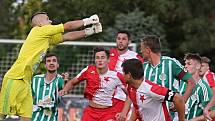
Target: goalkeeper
[{"x": 15, "y": 96}]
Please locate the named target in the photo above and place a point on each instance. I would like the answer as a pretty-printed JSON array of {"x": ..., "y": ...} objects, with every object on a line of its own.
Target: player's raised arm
[
  {"x": 96, "y": 28},
  {"x": 69, "y": 85},
  {"x": 71, "y": 25}
]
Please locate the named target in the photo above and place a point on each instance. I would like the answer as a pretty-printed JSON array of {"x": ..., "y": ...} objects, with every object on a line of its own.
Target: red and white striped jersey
[
  {"x": 149, "y": 101},
  {"x": 209, "y": 77},
  {"x": 100, "y": 88},
  {"x": 115, "y": 63}
]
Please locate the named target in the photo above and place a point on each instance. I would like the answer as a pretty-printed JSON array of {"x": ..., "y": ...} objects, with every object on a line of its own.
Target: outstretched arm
[
  {"x": 71, "y": 25},
  {"x": 70, "y": 36},
  {"x": 69, "y": 85}
]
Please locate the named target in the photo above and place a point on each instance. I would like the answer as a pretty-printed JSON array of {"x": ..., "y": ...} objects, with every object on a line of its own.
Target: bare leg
[{"x": 24, "y": 119}]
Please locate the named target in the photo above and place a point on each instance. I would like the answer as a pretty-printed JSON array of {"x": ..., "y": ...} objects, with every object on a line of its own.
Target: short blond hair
[{"x": 205, "y": 60}]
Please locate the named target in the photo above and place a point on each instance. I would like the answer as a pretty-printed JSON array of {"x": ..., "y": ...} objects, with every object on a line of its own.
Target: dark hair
[
  {"x": 193, "y": 56},
  {"x": 205, "y": 60},
  {"x": 124, "y": 32},
  {"x": 37, "y": 13},
  {"x": 50, "y": 55},
  {"x": 99, "y": 49},
  {"x": 153, "y": 42},
  {"x": 133, "y": 66}
]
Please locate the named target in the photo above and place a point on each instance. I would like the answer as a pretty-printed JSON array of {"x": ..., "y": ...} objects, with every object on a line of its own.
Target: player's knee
[{"x": 2, "y": 117}]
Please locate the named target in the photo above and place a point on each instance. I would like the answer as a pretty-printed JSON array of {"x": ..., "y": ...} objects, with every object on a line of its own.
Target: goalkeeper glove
[
  {"x": 94, "y": 19},
  {"x": 96, "y": 28}
]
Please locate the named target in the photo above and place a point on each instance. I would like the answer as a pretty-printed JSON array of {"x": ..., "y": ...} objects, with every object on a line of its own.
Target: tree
[{"x": 139, "y": 25}]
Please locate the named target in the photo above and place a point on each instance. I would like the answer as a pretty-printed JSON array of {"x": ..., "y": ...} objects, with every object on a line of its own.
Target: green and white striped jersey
[
  {"x": 166, "y": 73},
  {"x": 200, "y": 97},
  {"x": 45, "y": 97}
]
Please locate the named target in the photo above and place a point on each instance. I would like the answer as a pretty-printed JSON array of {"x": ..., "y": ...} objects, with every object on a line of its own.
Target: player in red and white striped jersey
[
  {"x": 100, "y": 85},
  {"x": 117, "y": 56},
  {"x": 206, "y": 74},
  {"x": 149, "y": 98}
]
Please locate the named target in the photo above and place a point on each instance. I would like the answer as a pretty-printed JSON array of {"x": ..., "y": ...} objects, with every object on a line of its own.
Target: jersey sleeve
[
  {"x": 205, "y": 93},
  {"x": 61, "y": 83},
  {"x": 56, "y": 39},
  {"x": 179, "y": 72},
  {"x": 54, "y": 32},
  {"x": 155, "y": 91},
  {"x": 59, "y": 87},
  {"x": 51, "y": 30},
  {"x": 122, "y": 79},
  {"x": 82, "y": 75},
  {"x": 34, "y": 86},
  {"x": 211, "y": 79}
]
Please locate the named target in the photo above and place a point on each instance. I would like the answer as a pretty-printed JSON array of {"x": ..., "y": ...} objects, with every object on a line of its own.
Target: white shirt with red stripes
[
  {"x": 101, "y": 87},
  {"x": 126, "y": 56},
  {"x": 149, "y": 101},
  {"x": 209, "y": 77},
  {"x": 119, "y": 94}
]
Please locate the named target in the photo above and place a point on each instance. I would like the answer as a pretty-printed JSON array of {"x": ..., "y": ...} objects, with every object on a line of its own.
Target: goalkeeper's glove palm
[
  {"x": 94, "y": 19},
  {"x": 96, "y": 28}
]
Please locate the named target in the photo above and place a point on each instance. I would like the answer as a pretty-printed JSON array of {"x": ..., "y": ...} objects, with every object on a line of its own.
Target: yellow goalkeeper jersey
[{"x": 33, "y": 51}]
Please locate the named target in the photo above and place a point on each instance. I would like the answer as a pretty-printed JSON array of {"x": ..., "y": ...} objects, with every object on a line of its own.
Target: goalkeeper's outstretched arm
[
  {"x": 71, "y": 25},
  {"x": 96, "y": 28}
]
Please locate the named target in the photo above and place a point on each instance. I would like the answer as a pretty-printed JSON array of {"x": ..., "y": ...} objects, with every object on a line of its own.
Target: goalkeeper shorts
[{"x": 16, "y": 98}]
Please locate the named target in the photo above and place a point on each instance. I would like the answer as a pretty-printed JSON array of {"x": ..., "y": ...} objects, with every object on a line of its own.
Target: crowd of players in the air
[{"x": 120, "y": 85}]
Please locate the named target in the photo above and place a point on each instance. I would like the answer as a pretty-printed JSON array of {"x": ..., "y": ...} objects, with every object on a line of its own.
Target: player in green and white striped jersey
[
  {"x": 163, "y": 70},
  {"x": 45, "y": 89},
  {"x": 202, "y": 93}
]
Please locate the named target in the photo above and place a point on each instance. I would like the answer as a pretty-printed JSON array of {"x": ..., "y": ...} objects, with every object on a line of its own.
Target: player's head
[
  {"x": 205, "y": 65},
  {"x": 192, "y": 62},
  {"x": 150, "y": 44},
  {"x": 40, "y": 19},
  {"x": 133, "y": 70},
  {"x": 101, "y": 57},
  {"x": 51, "y": 62},
  {"x": 123, "y": 39}
]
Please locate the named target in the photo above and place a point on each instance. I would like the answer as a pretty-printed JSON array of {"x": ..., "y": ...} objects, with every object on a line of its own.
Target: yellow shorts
[{"x": 16, "y": 98}]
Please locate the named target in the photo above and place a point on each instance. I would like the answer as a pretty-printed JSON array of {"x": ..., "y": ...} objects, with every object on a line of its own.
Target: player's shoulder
[
  {"x": 210, "y": 73},
  {"x": 167, "y": 58},
  {"x": 115, "y": 74},
  {"x": 91, "y": 67},
  {"x": 145, "y": 86},
  {"x": 202, "y": 83},
  {"x": 132, "y": 52},
  {"x": 59, "y": 76},
  {"x": 39, "y": 76}
]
